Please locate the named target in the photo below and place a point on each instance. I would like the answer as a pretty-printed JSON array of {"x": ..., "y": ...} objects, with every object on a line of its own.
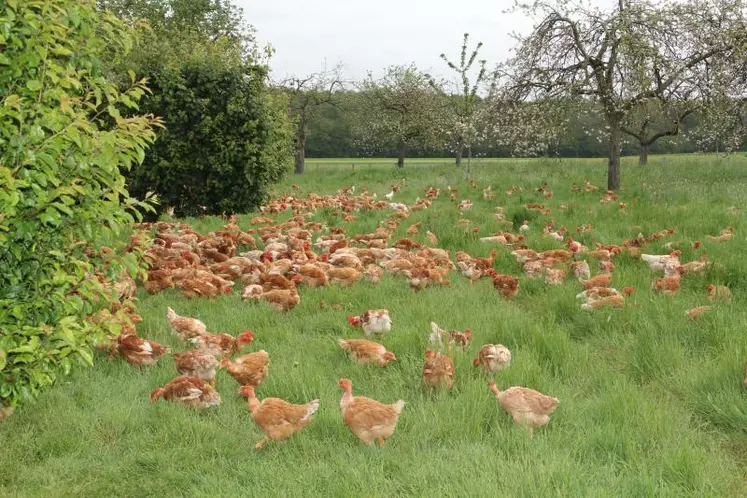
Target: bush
[
  {"x": 62, "y": 144},
  {"x": 227, "y": 138}
]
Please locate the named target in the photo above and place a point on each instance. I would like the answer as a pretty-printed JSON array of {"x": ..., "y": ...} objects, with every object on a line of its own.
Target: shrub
[
  {"x": 62, "y": 144},
  {"x": 227, "y": 137}
]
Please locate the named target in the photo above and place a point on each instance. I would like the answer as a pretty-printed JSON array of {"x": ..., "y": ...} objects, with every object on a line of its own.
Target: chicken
[
  {"x": 597, "y": 292},
  {"x": 276, "y": 417},
  {"x": 197, "y": 364},
  {"x": 668, "y": 286},
  {"x": 136, "y": 350},
  {"x": 252, "y": 291},
  {"x": 343, "y": 276},
  {"x": 248, "y": 370},
  {"x": 719, "y": 293},
  {"x": 603, "y": 280},
  {"x": 526, "y": 406},
  {"x": 184, "y": 327},
  {"x": 438, "y": 370},
  {"x": 493, "y": 358},
  {"x": 724, "y": 235},
  {"x": 460, "y": 339},
  {"x": 367, "y": 418},
  {"x": 436, "y": 337},
  {"x": 581, "y": 270},
  {"x": 555, "y": 276},
  {"x": 658, "y": 262},
  {"x": 373, "y": 273},
  {"x": 312, "y": 275},
  {"x": 190, "y": 391},
  {"x": 507, "y": 285},
  {"x": 695, "y": 313},
  {"x": 699, "y": 266},
  {"x": 470, "y": 270},
  {"x": 524, "y": 227},
  {"x": 606, "y": 266},
  {"x": 280, "y": 299},
  {"x": 616, "y": 301},
  {"x": 432, "y": 239},
  {"x": 414, "y": 229},
  {"x": 363, "y": 351},
  {"x": 524, "y": 255},
  {"x": 222, "y": 345},
  {"x": 373, "y": 321}
]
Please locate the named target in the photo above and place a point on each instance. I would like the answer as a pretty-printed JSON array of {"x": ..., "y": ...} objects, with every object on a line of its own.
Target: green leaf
[{"x": 34, "y": 85}]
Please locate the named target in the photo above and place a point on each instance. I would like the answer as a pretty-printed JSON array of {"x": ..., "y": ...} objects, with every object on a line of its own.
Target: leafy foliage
[
  {"x": 402, "y": 109},
  {"x": 63, "y": 141},
  {"x": 227, "y": 136}
]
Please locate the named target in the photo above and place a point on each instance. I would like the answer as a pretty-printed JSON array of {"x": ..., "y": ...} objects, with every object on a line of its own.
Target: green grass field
[{"x": 651, "y": 403}]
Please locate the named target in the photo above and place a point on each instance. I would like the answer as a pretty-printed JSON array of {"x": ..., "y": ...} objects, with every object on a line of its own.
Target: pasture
[{"x": 651, "y": 402}]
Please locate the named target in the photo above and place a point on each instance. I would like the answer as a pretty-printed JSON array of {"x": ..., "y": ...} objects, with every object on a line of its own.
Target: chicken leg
[
  {"x": 261, "y": 443},
  {"x": 381, "y": 442}
]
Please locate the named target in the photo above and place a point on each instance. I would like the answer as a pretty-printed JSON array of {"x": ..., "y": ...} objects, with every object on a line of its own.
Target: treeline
[{"x": 333, "y": 133}]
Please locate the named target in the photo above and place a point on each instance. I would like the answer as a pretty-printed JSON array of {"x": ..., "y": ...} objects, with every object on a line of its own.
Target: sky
[{"x": 373, "y": 34}]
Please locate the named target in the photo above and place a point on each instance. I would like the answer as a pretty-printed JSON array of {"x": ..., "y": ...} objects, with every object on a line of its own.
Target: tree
[
  {"x": 462, "y": 123},
  {"x": 227, "y": 137},
  {"x": 307, "y": 95},
  {"x": 64, "y": 143},
  {"x": 402, "y": 108},
  {"x": 654, "y": 119},
  {"x": 621, "y": 58}
]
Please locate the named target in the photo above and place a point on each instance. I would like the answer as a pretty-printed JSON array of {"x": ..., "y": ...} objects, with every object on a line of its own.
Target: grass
[{"x": 652, "y": 404}]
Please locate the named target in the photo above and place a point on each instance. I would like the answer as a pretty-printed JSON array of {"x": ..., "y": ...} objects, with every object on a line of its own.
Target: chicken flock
[{"x": 298, "y": 252}]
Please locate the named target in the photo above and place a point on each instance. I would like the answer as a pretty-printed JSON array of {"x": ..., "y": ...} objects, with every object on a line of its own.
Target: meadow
[{"x": 651, "y": 402}]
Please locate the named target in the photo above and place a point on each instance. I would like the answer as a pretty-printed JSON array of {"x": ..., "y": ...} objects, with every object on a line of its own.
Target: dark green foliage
[
  {"x": 62, "y": 144},
  {"x": 226, "y": 138}
]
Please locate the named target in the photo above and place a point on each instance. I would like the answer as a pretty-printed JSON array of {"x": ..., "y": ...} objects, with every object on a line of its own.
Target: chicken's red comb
[{"x": 354, "y": 320}]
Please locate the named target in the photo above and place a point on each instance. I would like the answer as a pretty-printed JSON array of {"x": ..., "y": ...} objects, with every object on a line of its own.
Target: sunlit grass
[{"x": 650, "y": 402}]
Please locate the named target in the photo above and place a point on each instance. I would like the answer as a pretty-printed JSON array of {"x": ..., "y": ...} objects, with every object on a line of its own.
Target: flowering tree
[
  {"x": 401, "y": 108},
  {"x": 307, "y": 95},
  {"x": 461, "y": 125},
  {"x": 621, "y": 58}
]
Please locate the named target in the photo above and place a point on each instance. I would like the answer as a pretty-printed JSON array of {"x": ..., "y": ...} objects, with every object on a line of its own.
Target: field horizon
[{"x": 651, "y": 402}]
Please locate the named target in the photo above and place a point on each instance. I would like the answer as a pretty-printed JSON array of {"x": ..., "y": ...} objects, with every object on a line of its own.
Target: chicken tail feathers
[
  {"x": 311, "y": 408},
  {"x": 343, "y": 344},
  {"x": 398, "y": 406}
]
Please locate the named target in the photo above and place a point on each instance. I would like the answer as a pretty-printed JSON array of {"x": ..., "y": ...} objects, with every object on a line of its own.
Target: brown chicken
[
  {"x": 719, "y": 293},
  {"x": 189, "y": 391},
  {"x": 507, "y": 285},
  {"x": 697, "y": 312},
  {"x": 667, "y": 286},
  {"x": 438, "y": 370},
  {"x": 313, "y": 276},
  {"x": 432, "y": 239},
  {"x": 460, "y": 339},
  {"x": 222, "y": 345},
  {"x": 363, "y": 351},
  {"x": 278, "y": 418},
  {"x": 344, "y": 276},
  {"x": 615, "y": 301},
  {"x": 526, "y": 406},
  {"x": 280, "y": 300},
  {"x": 197, "y": 364},
  {"x": 367, "y": 418},
  {"x": 136, "y": 350},
  {"x": 555, "y": 276},
  {"x": 603, "y": 280},
  {"x": 184, "y": 327},
  {"x": 493, "y": 358},
  {"x": 250, "y": 369},
  {"x": 373, "y": 273}
]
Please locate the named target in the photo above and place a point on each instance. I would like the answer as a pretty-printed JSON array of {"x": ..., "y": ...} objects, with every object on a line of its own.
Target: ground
[{"x": 651, "y": 403}]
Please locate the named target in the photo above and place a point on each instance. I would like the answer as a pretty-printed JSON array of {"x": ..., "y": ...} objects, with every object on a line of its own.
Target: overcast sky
[{"x": 371, "y": 35}]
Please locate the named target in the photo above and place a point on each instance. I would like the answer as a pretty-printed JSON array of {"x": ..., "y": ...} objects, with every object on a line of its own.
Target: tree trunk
[
  {"x": 643, "y": 154},
  {"x": 401, "y": 155},
  {"x": 300, "y": 154},
  {"x": 469, "y": 161},
  {"x": 613, "y": 166},
  {"x": 459, "y": 153}
]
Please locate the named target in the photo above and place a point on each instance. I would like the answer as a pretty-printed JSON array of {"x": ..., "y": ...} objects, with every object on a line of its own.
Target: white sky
[{"x": 373, "y": 34}]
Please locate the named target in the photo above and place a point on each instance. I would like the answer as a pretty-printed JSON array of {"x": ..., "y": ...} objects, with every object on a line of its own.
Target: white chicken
[
  {"x": 436, "y": 337},
  {"x": 493, "y": 358},
  {"x": 660, "y": 262},
  {"x": 373, "y": 322}
]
